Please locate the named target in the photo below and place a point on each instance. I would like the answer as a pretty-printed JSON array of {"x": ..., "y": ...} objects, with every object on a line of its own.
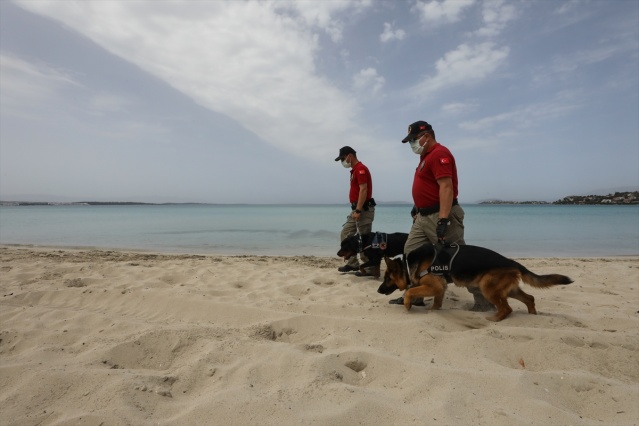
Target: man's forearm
[
  {"x": 445, "y": 200},
  {"x": 363, "y": 193}
]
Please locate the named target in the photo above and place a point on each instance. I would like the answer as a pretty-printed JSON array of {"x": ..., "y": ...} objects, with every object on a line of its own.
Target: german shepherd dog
[
  {"x": 470, "y": 266},
  {"x": 374, "y": 246}
]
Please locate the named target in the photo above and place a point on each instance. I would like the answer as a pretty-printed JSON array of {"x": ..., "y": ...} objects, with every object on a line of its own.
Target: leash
[
  {"x": 359, "y": 238},
  {"x": 407, "y": 271}
]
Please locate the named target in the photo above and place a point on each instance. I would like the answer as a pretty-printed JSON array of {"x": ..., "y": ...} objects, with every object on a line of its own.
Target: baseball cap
[
  {"x": 345, "y": 150},
  {"x": 415, "y": 129}
]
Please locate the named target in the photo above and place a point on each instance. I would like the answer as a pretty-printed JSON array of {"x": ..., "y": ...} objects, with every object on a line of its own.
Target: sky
[{"x": 250, "y": 101}]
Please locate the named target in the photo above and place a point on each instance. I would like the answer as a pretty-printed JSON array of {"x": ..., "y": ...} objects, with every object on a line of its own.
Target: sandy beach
[{"x": 98, "y": 337}]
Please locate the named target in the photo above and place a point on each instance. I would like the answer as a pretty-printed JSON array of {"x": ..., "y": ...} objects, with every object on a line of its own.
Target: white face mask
[
  {"x": 414, "y": 145},
  {"x": 346, "y": 164}
]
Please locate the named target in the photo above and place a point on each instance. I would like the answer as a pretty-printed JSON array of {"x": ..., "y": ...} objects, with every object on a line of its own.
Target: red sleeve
[
  {"x": 361, "y": 176},
  {"x": 443, "y": 166}
]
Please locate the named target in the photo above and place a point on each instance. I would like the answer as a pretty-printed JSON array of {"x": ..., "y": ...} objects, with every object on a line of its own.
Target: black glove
[{"x": 442, "y": 226}]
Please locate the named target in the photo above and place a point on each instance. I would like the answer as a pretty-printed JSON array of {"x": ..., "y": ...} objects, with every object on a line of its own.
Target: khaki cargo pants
[
  {"x": 424, "y": 230},
  {"x": 365, "y": 224}
]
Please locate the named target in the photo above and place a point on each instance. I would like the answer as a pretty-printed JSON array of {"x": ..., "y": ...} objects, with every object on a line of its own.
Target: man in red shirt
[
  {"x": 362, "y": 204},
  {"x": 438, "y": 217}
]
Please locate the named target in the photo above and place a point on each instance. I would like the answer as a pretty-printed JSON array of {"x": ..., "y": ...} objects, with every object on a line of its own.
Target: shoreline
[
  {"x": 127, "y": 337},
  {"x": 245, "y": 254}
]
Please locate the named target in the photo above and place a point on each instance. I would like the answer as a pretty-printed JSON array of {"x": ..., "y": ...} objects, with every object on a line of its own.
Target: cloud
[
  {"x": 527, "y": 116},
  {"x": 567, "y": 7},
  {"x": 435, "y": 13},
  {"x": 54, "y": 99},
  {"x": 102, "y": 103},
  {"x": 321, "y": 14},
  {"x": 25, "y": 83},
  {"x": 487, "y": 123},
  {"x": 568, "y": 63},
  {"x": 389, "y": 34},
  {"x": 458, "y": 108},
  {"x": 465, "y": 65},
  {"x": 475, "y": 143},
  {"x": 563, "y": 67},
  {"x": 252, "y": 61},
  {"x": 496, "y": 14},
  {"x": 368, "y": 80}
]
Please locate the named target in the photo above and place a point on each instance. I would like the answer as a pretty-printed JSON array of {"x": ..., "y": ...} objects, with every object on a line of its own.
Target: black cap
[
  {"x": 415, "y": 129},
  {"x": 344, "y": 151}
]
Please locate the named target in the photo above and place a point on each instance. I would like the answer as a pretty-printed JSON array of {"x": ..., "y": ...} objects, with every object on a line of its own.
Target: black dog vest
[
  {"x": 380, "y": 241},
  {"x": 442, "y": 262}
]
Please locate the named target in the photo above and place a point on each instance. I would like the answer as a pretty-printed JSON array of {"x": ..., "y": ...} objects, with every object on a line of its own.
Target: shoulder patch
[
  {"x": 444, "y": 160},
  {"x": 362, "y": 172}
]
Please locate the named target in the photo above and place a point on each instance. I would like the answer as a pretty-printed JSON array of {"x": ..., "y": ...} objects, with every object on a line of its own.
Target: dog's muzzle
[
  {"x": 387, "y": 288},
  {"x": 346, "y": 254}
]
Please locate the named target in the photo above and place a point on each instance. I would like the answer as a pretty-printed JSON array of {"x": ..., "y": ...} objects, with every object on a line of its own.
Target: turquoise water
[{"x": 514, "y": 230}]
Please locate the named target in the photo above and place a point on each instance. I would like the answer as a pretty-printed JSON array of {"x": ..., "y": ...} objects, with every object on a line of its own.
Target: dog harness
[
  {"x": 442, "y": 262},
  {"x": 380, "y": 241}
]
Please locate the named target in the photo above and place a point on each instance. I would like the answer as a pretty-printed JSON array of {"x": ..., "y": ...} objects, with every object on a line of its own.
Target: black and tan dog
[
  {"x": 374, "y": 246},
  {"x": 466, "y": 266}
]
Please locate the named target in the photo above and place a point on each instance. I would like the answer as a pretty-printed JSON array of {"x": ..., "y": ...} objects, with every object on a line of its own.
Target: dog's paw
[{"x": 408, "y": 303}]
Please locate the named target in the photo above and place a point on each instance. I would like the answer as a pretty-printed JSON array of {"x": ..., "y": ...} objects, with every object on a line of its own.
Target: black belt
[
  {"x": 368, "y": 203},
  {"x": 433, "y": 209}
]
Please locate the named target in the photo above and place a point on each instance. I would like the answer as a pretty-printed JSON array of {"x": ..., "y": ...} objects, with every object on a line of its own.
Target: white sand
[{"x": 117, "y": 338}]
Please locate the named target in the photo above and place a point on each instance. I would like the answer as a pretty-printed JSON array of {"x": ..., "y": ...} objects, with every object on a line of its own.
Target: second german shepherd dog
[
  {"x": 374, "y": 246},
  {"x": 496, "y": 276}
]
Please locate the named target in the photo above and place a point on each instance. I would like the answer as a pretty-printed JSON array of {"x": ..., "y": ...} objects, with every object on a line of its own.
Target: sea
[{"x": 515, "y": 230}]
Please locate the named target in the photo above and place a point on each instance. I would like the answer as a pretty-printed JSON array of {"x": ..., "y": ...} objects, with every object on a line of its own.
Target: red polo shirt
[
  {"x": 435, "y": 164},
  {"x": 360, "y": 175}
]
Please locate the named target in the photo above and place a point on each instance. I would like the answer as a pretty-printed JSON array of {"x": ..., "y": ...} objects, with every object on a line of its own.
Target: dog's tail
[{"x": 543, "y": 281}]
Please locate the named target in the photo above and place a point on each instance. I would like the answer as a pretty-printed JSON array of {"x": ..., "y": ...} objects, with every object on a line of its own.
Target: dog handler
[
  {"x": 362, "y": 204},
  {"x": 437, "y": 215}
]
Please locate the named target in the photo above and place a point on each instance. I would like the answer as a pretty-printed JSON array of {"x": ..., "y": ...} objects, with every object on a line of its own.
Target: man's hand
[
  {"x": 442, "y": 226},
  {"x": 356, "y": 214}
]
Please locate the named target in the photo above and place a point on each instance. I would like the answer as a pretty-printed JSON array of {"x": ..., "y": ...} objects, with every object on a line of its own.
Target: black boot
[{"x": 481, "y": 304}]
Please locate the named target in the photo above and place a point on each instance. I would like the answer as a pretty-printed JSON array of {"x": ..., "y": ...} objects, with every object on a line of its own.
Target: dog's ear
[
  {"x": 392, "y": 265},
  {"x": 397, "y": 264}
]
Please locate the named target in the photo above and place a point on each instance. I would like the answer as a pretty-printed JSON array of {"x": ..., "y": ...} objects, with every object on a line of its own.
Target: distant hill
[
  {"x": 616, "y": 198},
  {"x": 628, "y": 197}
]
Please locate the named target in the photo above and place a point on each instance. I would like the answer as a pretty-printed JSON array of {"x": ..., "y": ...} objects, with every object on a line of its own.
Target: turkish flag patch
[
  {"x": 444, "y": 161},
  {"x": 362, "y": 172}
]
